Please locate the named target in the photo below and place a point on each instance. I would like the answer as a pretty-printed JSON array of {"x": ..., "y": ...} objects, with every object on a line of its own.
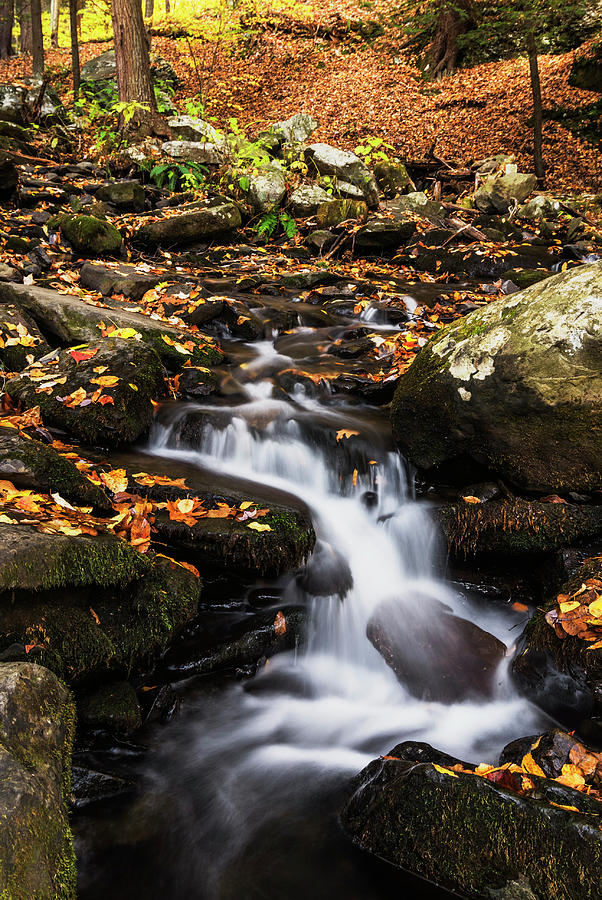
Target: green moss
[{"x": 90, "y": 235}]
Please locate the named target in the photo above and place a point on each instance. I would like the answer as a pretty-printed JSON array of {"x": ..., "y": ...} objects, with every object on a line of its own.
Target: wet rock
[
  {"x": 295, "y": 130},
  {"x": 74, "y": 322},
  {"x": 193, "y": 151},
  {"x": 392, "y": 177},
  {"x": 31, "y": 465},
  {"x": 255, "y": 639},
  {"x": 9, "y": 175},
  {"x": 498, "y": 194},
  {"x": 563, "y": 676},
  {"x": 21, "y": 341},
  {"x": 462, "y": 261},
  {"x": 327, "y": 573},
  {"x": 36, "y": 734},
  {"x": 127, "y": 195},
  {"x": 90, "y": 786},
  {"x": 344, "y": 166},
  {"x": 72, "y": 401},
  {"x": 190, "y": 227},
  {"x": 306, "y": 200},
  {"x": 91, "y": 236},
  {"x": 435, "y": 654},
  {"x": 488, "y": 387},
  {"x": 402, "y": 803},
  {"x": 124, "y": 279},
  {"x": 524, "y": 278},
  {"x": 196, "y": 382},
  {"x": 333, "y": 212},
  {"x": 93, "y": 607},
  {"x": 267, "y": 188},
  {"x": 113, "y": 707},
  {"x": 516, "y": 528}
]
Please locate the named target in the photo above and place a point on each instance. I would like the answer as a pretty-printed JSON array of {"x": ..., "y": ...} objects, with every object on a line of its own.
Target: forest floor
[{"x": 359, "y": 88}]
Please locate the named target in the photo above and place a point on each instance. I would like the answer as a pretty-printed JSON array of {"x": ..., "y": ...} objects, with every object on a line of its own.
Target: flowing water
[{"x": 243, "y": 791}]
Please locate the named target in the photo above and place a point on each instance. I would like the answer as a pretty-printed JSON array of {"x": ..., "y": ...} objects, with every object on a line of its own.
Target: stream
[{"x": 238, "y": 797}]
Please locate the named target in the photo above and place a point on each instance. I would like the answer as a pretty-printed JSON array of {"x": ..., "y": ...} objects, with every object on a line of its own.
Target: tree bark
[
  {"x": 167, "y": 7},
  {"x": 74, "y": 47},
  {"x": 37, "y": 37},
  {"x": 149, "y": 8},
  {"x": 454, "y": 19},
  {"x": 540, "y": 169},
  {"x": 132, "y": 58},
  {"x": 24, "y": 13},
  {"x": 55, "y": 14},
  {"x": 6, "y": 28}
]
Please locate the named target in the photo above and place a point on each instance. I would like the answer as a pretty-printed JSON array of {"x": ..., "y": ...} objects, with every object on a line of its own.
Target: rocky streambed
[{"x": 224, "y": 590}]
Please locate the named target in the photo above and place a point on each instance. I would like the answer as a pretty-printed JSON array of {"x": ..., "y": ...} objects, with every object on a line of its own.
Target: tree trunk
[
  {"x": 74, "y": 47},
  {"x": 167, "y": 7},
  {"x": 454, "y": 19},
  {"x": 133, "y": 65},
  {"x": 55, "y": 13},
  {"x": 149, "y": 8},
  {"x": 37, "y": 38},
  {"x": 6, "y": 28},
  {"x": 24, "y": 13},
  {"x": 540, "y": 169}
]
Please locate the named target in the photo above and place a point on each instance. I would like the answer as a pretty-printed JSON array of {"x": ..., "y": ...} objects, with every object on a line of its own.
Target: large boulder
[
  {"x": 306, "y": 199},
  {"x": 498, "y": 194},
  {"x": 295, "y": 130},
  {"x": 516, "y": 386},
  {"x": 90, "y": 235},
  {"x": 36, "y": 735},
  {"x": 113, "y": 406},
  {"x": 191, "y": 128},
  {"x": 193, "y": 151},
  {"x": 188, "y": 227},
  {"x": 479, "y": 833},
  {"x": 267, "y": 188},
  {"x": 343, "y": 166}
]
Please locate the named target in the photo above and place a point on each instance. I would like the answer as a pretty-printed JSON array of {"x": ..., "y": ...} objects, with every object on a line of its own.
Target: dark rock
[
  {"x": 91, "y": 236},
  {"x": 113, "y": 707},
  {"x": 122, "y": 419},
  {"x": 402, "y": 804},
  {"x": 197, "y": 381},
  {"x": 586, "y": 70},
  {"x": 435, "y": 654},
  {"x": 127, "y": 195},
  {"x": 384, "y": 234},
  {"x": 124, "y": 279},
  {"x": 21, "y": 341},
  {"x": 333, "y": 212},
  {"x": 190, "y": 227},
  {"x": 326, "y": 574},
  {"x": 90, "y": 786},
  {"x": 488, "y": 387},
  {"x": 524, "y": 278},
  {"x": 9, "y": 176},
  {"x": 36, "y": 734}
]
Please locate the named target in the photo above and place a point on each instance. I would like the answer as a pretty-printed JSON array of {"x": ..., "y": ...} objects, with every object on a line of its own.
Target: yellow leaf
[
  {"x": 280, "y": 624},
  {"x": 569, "y": 605},
  {"x": 345, "y": 433},
  {"x": 444, "y": 771},
  {"x": 471, "y": 499},
  {"x": 257, "y": 526},
  {"x": 595, "y": 608},
  {"x": 572, "y": 776},
  {"x": 246, "y": 504},
  {"x": 133, "y": 386},
  {"x": 105, "y": 380},
  {"x": 530, "y": 766}
]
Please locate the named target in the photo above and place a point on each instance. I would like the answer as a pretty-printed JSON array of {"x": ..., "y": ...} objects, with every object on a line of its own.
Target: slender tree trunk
[
  {"x": 55, "y": 14},
  {"x": 6, "y": 28},
  {"x": 74, "y": 47},
  {"x": 81, "y": 5},
  {"x": 133, "y": 64},
  {"x": 24, "y": 13},
  {"x": 455, "y": 17},
  {"x": 540, "y": 169},
  {"x": 149, "y": 8},
  {"x": 167, "y": 7},
  {"x": 37, "y": 37}
]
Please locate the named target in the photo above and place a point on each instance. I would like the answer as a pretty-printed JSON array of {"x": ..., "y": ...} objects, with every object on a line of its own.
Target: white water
[{"x": 314, "y": 717}]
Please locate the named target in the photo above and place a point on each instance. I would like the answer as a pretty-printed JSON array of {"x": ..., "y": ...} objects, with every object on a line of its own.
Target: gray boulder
[
  {"x": 100, "y": 68},
  {"x": 191, "y": 128},
  {"x": 392, "y": 177},
  {"x": 295, "y": 130},
  {"x": 344, "y": 166},
  {"x": 516, "y": 385},
  {"x": 306, "y": 199},
  {"x": 498, "y": 194},
  {"x": 122, "y": 194},
  {"x": 193, "y": 151},
  {"x": 199, "y": 224},
  {"x": 418, "y": 202},
  {"x": 15, "y": 97},
  {"x": 267, "y": 189},
  {"x": 36, "y": 734},
  {"x": 540, "y": 207}
]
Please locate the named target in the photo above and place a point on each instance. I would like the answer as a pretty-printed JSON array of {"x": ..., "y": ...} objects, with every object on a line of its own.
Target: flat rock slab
[
  {"x": 37, "y": 722},
  {"x": 73, "y": 321},
  {"x": 471, "y": 835},
  {"x": 71, "y": 394}
]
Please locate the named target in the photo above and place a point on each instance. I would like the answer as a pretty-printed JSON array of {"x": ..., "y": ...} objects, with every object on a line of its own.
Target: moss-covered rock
[
  {"x": 516, "y": 528},
  {"x": 90, "y": 607},
  {"x": 21, "y": 341},
  {"x": 76, "y": 403},
  {"x": 113, "y": 707},
  {"x": 90, "y": 236},
  {"x": 31, "y": 465},
  {"x": 586, "y": 70},
  {"x": 122, "y": 194},
  {"x": 73, "y": 321},
  {"x": 472, "y": 835},
  {"x": 564, "y": 676},
  {"x": 516, "y": 386},
  {"x": 524, "y": 278},
  {"x": 392, "y": 177},
  {"x": 36, "y": 734},
  {"x": 497, "y": 194},
  {"x": 333, "y": 212}
]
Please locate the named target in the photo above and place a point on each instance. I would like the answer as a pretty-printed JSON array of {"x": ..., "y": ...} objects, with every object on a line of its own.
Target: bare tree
[
  {"x": 24, "y": 16},
  {"x": 6, "y": 28},
  {"x": 74, "y": 48},
  {"x": 134, "y": 81},
  {"x": 37, "y": 37},
  {"x": 55, "y": 14},
  {"x": 538, "y": 163}
]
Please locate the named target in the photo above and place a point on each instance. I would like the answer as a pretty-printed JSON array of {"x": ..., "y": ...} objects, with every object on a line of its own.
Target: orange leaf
[{"x": 280, "y": 624}]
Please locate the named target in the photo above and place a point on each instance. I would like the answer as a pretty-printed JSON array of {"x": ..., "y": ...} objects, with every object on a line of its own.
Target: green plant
[
  {"x": 270, "y": 223},
  {"x": 187, "y": 176},
  {"x": 373, "y": 149}
]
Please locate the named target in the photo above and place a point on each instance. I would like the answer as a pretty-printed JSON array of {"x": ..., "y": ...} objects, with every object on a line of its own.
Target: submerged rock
[
  {"x": 404, "y": 802},
  {"x": 516, "y": 386},
  {"x": 36, "y": 735}
]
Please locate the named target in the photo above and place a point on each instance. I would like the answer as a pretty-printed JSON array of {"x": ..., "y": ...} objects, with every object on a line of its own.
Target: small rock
[
  {"x": 306, "y": 199},
  {"x": 122, "y": 194},
  {"x": 193, "y": 151},
  {"x": 295, "y": 130},
  {"x": 392, "y": 177},
  {"x": 498, "y": 194},
  {"x": 266, "y": 189}
]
